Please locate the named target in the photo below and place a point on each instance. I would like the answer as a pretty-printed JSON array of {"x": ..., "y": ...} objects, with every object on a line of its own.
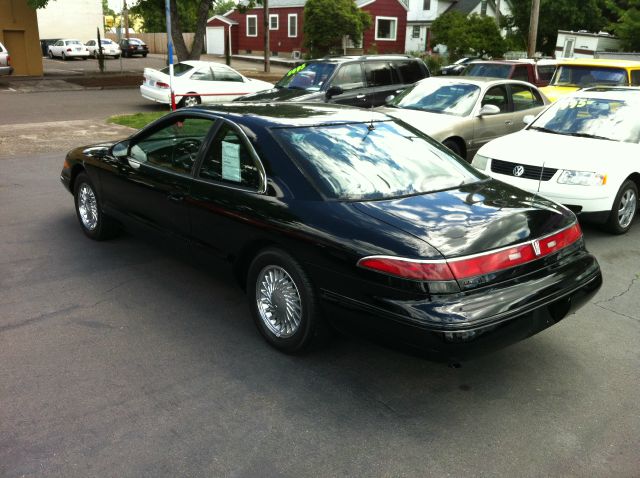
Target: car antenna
[
  {"x": 371, "y": 127},
  {"x": 540, "y": 179}
]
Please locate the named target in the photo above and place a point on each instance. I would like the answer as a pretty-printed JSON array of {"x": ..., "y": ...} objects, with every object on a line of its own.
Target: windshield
[
  {"x": 376, "y": 160},
  {"x": 435, "y": 97},
  {"x": 612, "y": 119},
  {"x": 491, "y": 70},
  {"x": 179, "y": 69},
  {"x": 308, "y": 76},
  {"x": 583, "y": 76}
]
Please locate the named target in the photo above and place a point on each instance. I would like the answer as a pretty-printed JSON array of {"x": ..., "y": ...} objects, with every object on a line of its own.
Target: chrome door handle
[
  {"x": 508, "y": 122},
  {"x": 359, "y": 97},
  {"x": 175, "y": 197}
]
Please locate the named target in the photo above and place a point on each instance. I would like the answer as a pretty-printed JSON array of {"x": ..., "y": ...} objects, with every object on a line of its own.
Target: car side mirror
[
  {"x": 489, "y": 110},
  {"x": 120, "y": 150},
  {"x": 528, "y": 119},
  {"x": 389, "y": 99},
  {"x": 333, "y": 91}
]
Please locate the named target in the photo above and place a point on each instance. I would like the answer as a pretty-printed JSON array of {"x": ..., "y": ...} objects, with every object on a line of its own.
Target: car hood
[
  {"x": 557, "y": 151},
  {"x": 473, "y": 218},
  {"x": 554, "y": 92},
  {"x": 284, "y": 94},
  {"x": 433, "y": 124}
]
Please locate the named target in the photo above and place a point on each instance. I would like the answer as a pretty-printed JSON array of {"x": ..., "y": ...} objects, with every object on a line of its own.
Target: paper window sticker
[{"x": 231, "y": 161}]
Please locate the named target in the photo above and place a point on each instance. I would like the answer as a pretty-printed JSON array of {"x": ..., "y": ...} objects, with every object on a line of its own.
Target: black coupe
[{"x": 333, "y": 215}]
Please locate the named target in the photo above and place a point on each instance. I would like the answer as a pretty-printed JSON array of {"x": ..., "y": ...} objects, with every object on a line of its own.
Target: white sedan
[
  {"x": 68, "y": 48},
  {"x": 582, "y": 152},
  {"x": 109, "y": 48},
  {"x": 196, "y": 82}
]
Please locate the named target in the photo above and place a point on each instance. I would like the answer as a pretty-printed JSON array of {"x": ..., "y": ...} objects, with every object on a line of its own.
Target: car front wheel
[
  {"x": 624, "y": 208},
  {"x": 283, "y": 302},
  {"x": 95, "y": 224}
]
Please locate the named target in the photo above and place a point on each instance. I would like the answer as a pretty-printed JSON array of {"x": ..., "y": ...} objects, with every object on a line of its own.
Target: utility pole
[
  {"x": 267, "y": 47},
  {"x": 125, "y": 14},
  {"x": 498, "y": 12},
  {"x": 533, "y": 28}
]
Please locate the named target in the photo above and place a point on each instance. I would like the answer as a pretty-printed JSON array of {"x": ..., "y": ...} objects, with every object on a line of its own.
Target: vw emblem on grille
[{"x": 518, "y": 170}]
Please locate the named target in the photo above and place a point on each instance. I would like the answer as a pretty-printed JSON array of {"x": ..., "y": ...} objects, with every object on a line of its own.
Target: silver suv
[{"x": 5, "y": 61}]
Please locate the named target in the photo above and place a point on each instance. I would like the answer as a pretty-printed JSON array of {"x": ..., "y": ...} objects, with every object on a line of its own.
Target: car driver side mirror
[
  {"x": 389, "y": 99},
  {"x": 489, "y": 110},
  {"x": 333, "y": 91}
]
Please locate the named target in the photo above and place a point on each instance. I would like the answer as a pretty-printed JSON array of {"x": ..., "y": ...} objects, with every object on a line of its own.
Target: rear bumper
[
  {"x": 6, "y": 70},
  {"x": 155, "y": 94},
  {"x": 466, "y": 325}
]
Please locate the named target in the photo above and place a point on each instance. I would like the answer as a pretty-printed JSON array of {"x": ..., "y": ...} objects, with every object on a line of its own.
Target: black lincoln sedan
[{"x": 333, "y": 215}]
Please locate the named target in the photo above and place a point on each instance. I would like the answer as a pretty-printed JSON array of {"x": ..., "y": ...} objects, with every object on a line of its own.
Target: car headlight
[
  {"x": 582, "y": 178},
  {"x": 480, "y": 162}
]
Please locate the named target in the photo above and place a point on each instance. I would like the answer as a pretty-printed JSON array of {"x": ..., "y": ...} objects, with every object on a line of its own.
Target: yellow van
[{"x": 572, "y": 75}]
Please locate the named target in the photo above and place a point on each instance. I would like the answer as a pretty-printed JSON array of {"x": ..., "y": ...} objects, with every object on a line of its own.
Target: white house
[
  {"x": 70, "y": 19},
  {"x": 422, "y": 13},
  {"x": 583, "y": 44}
]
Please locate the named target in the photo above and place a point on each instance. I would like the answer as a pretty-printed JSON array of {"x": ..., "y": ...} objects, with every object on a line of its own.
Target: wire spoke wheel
[
  {"x": 87, "y": 207},
  {"x": 279, "y": 302}
]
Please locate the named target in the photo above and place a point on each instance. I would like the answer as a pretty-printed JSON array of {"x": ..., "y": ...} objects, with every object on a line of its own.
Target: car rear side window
[
  {"x": 410, "y": 71},
  {"x": 178, "y": 69},
  {"x": 523, "y": 98},
  {"x": 220, "y": 74},
  {"x": 229, "y": 161},
  {"x": 203, "y": 74},
  {"x": 635, "y": 78},
  {"x": 380, "y": 73},
  {"x": 174, "y": 147}
]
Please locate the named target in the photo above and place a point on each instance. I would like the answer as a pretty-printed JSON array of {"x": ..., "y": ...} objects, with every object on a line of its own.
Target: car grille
[{"x": 530, "y": 172}]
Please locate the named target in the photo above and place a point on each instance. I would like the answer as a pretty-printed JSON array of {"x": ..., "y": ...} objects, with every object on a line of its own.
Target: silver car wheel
[
  {"x": 191, "y": 101},
  {"x": 627, "y": 208},
  {"x": 278, "y": 301},
  {"x": 88, "y": 207}
]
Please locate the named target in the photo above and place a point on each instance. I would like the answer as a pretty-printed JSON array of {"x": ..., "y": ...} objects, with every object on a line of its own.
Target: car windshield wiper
[
  {"x": 587, "y": 135},
  {"x": 546, "y": 130}
]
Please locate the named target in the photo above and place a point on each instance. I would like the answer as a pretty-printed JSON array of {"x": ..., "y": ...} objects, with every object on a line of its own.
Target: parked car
[
  {"x": 463, "y": 112},
  {"x": 5, "y": 61},
  {"x": 581, "y": 152},
  {"x": 512, "y": 69},
  {"x": 351, "y": 80},
  {"x": 572, "y": 75},
  {"x": 332, "y": 215},
  {"x": 457, "y": 67},
  {"x": 109, "y": 48},
  {"x": 68, "y": 48},
  {"x": 196, "y": 82},
  {"x": 133, "y": 46}
]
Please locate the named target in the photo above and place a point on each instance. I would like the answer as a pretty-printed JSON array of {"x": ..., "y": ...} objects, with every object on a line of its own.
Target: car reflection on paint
[{"x": 340, "y": 217}]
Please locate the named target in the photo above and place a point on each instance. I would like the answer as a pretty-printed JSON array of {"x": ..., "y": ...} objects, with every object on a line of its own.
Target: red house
[{"x": 243, "y": 31}]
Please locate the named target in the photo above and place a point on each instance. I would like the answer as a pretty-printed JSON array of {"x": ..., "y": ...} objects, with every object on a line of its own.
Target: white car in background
[
  {"x": 109, "y": 48},
  {"x": 582, "y": 152},
  {"x": 5, "y": 61},
  {"x": 196, "y": 82},
  {"x": 68, "y": 48}
]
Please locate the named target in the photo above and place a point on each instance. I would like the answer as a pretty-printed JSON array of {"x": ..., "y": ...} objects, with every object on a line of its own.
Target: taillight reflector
[
  {"x": 476, "y": 265},
  {"x": 161, "y": 84}
]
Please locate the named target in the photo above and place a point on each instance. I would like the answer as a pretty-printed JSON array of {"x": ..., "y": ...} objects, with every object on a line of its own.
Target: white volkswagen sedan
[
  {"x": 196, "y": 82},
  {"x": 68, "y": 48},
  {"x": 583, "y": 152},
  {"x": 109, "y": 48}
]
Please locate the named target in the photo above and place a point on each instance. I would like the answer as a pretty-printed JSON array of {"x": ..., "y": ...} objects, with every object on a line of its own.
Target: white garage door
[{"x": 215, "y": 40}]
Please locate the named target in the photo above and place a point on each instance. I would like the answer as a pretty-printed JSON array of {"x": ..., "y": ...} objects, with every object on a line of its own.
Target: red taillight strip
[{"x": 476, "y": 264}]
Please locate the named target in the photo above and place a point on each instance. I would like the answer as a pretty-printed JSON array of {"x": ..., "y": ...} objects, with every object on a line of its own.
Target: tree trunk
[
  {"x": 176, "y": 33},
  {"x": 198, "y": 41}
]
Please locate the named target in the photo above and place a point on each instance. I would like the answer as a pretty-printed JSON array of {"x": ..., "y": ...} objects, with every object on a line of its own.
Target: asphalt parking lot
[{"x": 130, "y": 358}]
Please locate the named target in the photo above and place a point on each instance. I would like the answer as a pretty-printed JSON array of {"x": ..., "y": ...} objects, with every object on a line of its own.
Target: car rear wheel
[
  {"x": 283, "y": 302},
  {"x": 190, "y": 101},
  {"x": 64, "y": 57},
  {"x": 624, "y": 208},
  {"x": 144, "y": 55},
  {"x": 95, "y": 224}
]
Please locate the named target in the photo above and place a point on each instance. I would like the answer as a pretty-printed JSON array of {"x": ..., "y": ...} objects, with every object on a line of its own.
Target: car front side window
[
  {"x": 496, "y": 95},
  {"x": 348, "y": 77},
  {"x": 174, "y": 147}
]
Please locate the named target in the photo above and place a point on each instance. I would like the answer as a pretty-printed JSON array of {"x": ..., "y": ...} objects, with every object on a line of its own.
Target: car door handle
[
  {"x": 359, "y": 97},
  {"x": 508, "y": 122},
  {"x": 175, "y": 197}
]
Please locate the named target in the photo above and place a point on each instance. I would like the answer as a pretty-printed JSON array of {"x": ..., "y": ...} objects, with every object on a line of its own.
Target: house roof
[
  {"x": 467, "y": 6},
  {"x": 224, "y": 19},
  {"x": 301, "y": 3}
]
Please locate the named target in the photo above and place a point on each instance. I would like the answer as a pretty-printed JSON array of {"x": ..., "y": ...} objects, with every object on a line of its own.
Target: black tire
[
  {"x": 454, "y": 147},
  {"x": 116, "y": 57},
  {"x": 105, "y": 227},
  {"x": 50, "y": 55},
  {"x": 187, "y": 100},
  {"x": 144, "y": 55},
  {"x": 64, "y": 57},
  {"x": 311, "y": 329},
  {"x": 619, "y": 222}
]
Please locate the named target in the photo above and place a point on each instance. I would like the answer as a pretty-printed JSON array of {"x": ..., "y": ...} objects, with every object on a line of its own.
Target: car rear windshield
[
  {"x": 73, "y": 42},
  {"x": 135, "y": 41},
  {"x": 377, "y": 160},
  {"x": 106, "y": 42},
  {"x": 583, "y": 76},
  {"x": 493, "y": 71},
  {"x": 435, "y": 97},
  {"x": 179, "y": 69},
  {"x": 308, "y": 76}
]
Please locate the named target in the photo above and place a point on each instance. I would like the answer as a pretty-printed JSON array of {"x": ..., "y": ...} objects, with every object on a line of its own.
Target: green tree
[
  {"x": 327, "y": 21},
  {"x": 106, "y": 10},
  {"x": 628, "y": 28},
  {"x": 462, "y": 35},
  {"x": 559, "y": 15},
  {"x": 152, "y": 12}
]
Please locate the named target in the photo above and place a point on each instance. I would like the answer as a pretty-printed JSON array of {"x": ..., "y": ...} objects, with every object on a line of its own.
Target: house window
[
  {"x": 293, "y": 25},
  {"x": 426, "y": 4},
  {"x": 415, "y": 32},
  {"x": 386, "y": 28},
  {"x": 252, "y": 25},
  {"x": 273, "y": 22}
]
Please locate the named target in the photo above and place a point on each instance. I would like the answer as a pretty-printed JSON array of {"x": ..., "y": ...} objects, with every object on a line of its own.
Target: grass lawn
[{"x": 137, "y": 120}]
